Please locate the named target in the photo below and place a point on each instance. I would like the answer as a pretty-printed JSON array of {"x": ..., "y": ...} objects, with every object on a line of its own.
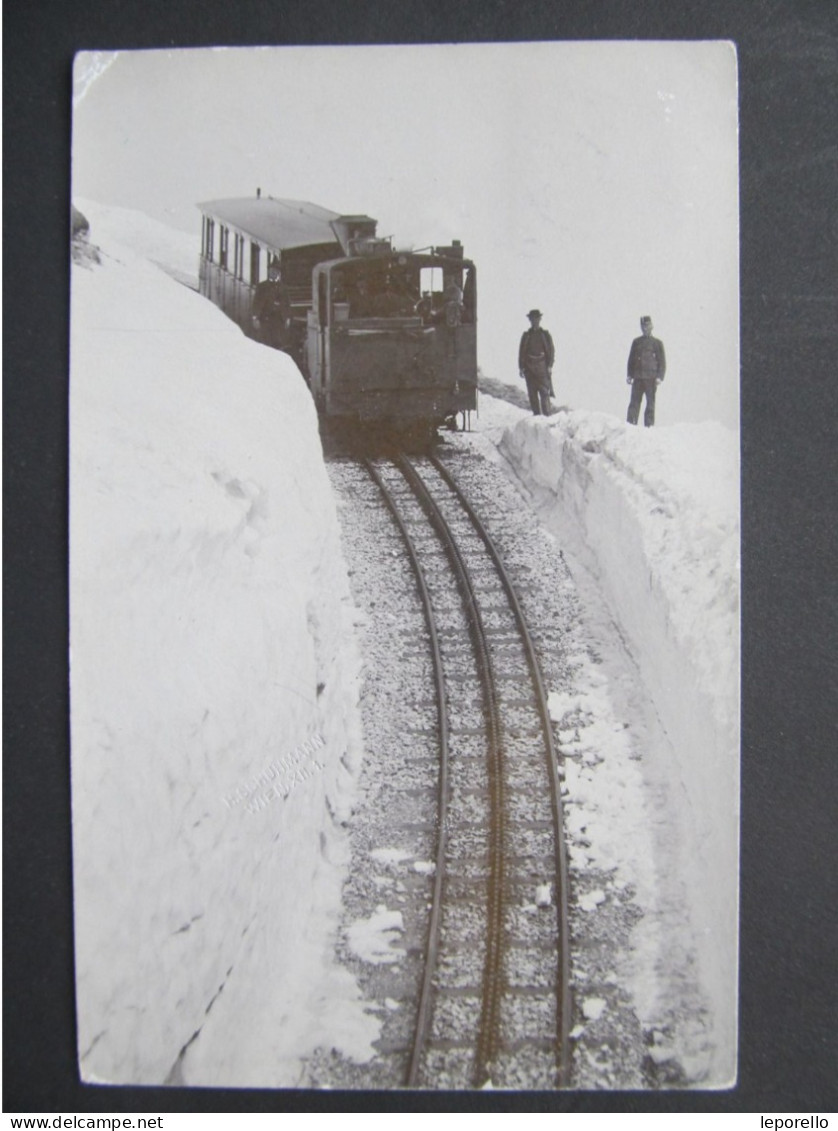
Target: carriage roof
[{"x": 280, "y": 223}]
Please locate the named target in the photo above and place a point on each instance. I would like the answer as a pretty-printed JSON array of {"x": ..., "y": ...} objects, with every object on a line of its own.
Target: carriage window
[
  {"x": 209, "y": 238},
  {"x": 254, "y": 264},
  {"x": 222, "y": 250}
]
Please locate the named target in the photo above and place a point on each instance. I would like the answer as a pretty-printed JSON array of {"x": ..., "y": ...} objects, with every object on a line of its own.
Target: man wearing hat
[
  {"x": 646, "y": 370},
  {"x": 535, "y": 364},
  {"x": 271, "y": 313}
]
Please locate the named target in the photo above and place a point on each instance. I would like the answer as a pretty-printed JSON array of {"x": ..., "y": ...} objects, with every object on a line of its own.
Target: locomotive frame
[{"x": 380, "y": 335}]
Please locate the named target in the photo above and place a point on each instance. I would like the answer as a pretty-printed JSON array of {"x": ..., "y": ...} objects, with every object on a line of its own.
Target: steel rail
[
  {"x": 424, "y": 1009},
  {"x": 563, "y": 996},
  {"x": 488, "y": 1039}
]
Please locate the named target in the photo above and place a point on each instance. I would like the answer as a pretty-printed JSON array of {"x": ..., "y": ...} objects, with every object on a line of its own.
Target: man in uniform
[
  {"x": 272, "y": 311},
  {"x": 535, "y": 364},
  {"x": 646, "y": 369}
]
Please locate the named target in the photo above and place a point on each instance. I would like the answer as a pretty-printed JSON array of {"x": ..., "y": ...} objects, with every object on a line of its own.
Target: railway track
[{"x": 492, "y": 1001}]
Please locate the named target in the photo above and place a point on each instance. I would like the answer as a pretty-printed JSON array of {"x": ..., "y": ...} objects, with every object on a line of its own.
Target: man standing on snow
[
  {"x": 535, "y": 364},
  {"x": 646, "y": 370}
]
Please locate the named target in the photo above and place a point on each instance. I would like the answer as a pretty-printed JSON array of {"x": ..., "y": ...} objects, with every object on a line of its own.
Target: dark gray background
[{"x": 788, "y": 67}]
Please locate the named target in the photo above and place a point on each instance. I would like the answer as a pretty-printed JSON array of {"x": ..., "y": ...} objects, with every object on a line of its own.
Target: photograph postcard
[{"x": 404, "y": 566}]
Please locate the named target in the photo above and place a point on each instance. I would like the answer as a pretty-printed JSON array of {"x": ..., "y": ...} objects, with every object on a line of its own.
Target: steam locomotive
[{"x": 381, "y": 335}]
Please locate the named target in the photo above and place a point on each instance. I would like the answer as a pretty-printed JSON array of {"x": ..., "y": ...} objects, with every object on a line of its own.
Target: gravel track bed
[
  {"x": 393, "y": 824},
  {"x": 392, "y": 831},
  {"x": 463, "y": 966},
  {"x": 612, "y": 1049}
]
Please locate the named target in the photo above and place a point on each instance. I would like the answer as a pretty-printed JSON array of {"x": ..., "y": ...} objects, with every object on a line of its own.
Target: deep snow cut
[
  {"x": 214, "y": 736},
  {"x": 650, "y": 519}
]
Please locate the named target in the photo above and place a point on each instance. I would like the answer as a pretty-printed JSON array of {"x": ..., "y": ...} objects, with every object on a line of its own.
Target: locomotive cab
[{"x": 392, "y": 336}]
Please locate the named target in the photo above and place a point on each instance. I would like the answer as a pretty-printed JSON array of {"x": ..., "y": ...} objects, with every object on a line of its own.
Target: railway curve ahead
[
  {"x": 523, "y": 851},
  {"x": 455, "y": 920}
]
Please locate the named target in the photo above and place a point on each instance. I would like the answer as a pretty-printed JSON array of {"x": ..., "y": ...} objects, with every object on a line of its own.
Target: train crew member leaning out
[
  {"x": 536, "y": 355},
  {"x": 453, "y": 304},
  {"x": 646, "y": 370}
]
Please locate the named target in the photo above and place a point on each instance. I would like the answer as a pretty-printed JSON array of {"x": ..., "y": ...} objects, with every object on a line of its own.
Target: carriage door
[
  {"x": 323, "y": 317},
  {"x": 315, "y": 336}
]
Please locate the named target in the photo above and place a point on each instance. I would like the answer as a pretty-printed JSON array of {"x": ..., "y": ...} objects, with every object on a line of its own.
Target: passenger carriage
[{"x": 242, "y": 238}]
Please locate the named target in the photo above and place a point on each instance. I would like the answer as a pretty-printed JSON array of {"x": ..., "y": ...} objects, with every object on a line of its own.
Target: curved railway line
[{"x": 500, "y": 973}]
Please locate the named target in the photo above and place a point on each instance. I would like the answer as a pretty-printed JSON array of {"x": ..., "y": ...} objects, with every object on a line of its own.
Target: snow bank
[
  {"x": 652, "y": 516},
  {"x": 174, "y": 251},
  {"x": 214, "y": 735}
]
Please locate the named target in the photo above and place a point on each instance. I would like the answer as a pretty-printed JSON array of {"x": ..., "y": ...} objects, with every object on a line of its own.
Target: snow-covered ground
[
  {"x": 648, "y": 520},
  {"x": 214, "y": 738},
  {"x": 214, "y": 678}
]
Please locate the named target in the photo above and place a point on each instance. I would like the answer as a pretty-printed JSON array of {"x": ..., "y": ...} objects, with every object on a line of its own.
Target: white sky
[{"x": 597, "y": 181}]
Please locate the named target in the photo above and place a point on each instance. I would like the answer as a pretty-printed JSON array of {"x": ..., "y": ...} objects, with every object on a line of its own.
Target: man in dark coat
[
  {"x": 272, "y": 311},
  {"x": 646, "y": 370},
  {"x": 536, "y": 355}
]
